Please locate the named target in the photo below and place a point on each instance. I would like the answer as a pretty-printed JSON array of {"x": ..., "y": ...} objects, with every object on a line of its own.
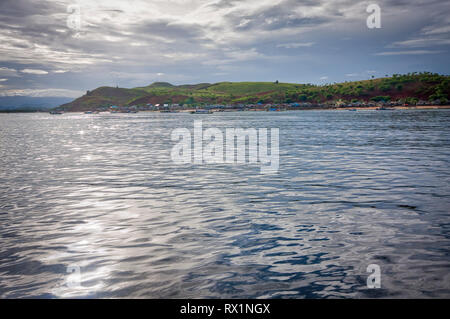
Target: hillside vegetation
[{"x": 409, "y": 88}]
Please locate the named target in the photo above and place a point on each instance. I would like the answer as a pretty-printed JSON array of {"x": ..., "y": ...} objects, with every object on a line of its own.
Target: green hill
[{"x": 409, "y": 87}]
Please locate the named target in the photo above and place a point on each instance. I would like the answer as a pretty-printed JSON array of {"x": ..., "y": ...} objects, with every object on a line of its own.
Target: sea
[{"x": 94, "y": 206}]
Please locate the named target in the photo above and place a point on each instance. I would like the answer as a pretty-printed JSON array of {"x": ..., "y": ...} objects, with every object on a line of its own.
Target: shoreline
[
  {"x": 346, "y": 108},
  {"x": 368, "y": 108},
  {"x": 421, "y": 107}
]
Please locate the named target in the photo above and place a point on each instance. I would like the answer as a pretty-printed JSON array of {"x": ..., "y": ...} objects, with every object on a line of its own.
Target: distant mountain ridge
[
  {"x": 30, "y": 103},
  {"x": 408, "y": 87}
]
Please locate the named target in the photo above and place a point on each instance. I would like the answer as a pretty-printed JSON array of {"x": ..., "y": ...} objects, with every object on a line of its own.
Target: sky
[{"x": 64, "y": 47}]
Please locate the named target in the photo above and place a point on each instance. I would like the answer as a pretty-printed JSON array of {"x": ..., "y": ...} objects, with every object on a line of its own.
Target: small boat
[
  {"x": 202, "y": 112},
  {"x": 56, "y": 112},
  {"x": 88, "y": 112},
  {"x": 169, "y": 111},
  {"x": 352, "y": 110}
]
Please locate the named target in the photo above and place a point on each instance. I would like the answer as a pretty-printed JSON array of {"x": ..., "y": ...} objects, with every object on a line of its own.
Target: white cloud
[
  {"x": 417, "y": 43},
  {"x": 243, "y": 55},
  {"x": 3, "y": 80},
  {"x": 324, "y": 78},
  {"x": 295, "y": 45},
  {"x": 412, "y": 52},
  {"x": 436, "y": 29},
  {"x": 34, "y": 71}
]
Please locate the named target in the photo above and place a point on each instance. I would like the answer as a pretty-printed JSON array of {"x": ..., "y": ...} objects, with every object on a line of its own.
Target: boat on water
[
  {"x": 352, "y": 110},
  {"x": 56, "y": 112},
  {"x": 123, "y": 111},
  {"x": 202, "y": 112},
  {"x": 169, "y": 111}
]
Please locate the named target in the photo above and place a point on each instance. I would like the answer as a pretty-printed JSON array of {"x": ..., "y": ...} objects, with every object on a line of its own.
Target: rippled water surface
[{"x": 100, "y": 194}]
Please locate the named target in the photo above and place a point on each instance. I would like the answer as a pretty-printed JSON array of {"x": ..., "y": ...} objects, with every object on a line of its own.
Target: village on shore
[
  {"x": 412, "y": 90},
  {"x": 176, "y": 108}
]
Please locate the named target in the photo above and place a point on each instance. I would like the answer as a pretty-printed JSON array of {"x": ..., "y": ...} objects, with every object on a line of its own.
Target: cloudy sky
[{"x": 65, "y": 47}]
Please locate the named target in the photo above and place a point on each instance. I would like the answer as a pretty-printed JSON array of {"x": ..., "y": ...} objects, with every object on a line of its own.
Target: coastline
[
  {"x": 419, "y": 107},
  {"x": 346, "y": 108},
  {"x": 368, "y": 108}
]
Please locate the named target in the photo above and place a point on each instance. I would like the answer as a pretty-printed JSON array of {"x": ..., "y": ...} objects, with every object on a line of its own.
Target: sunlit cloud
[
  {"x": 206, "y": 40},
  {"x": 411, "y": 52},
  {"x": 34, "y": 71}
]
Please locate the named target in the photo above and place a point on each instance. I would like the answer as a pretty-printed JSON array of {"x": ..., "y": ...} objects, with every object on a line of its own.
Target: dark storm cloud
[
  {"x": 194, "y": 40},
  {"x": 26, "y": 8},
  {"x": 274, "y": 17},
  {"x": 223, "y": 4},
  {"x": 168, "y": 29}
]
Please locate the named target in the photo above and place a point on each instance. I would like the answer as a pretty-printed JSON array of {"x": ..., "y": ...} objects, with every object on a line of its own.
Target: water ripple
[{"x": 101, "y": 193}]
